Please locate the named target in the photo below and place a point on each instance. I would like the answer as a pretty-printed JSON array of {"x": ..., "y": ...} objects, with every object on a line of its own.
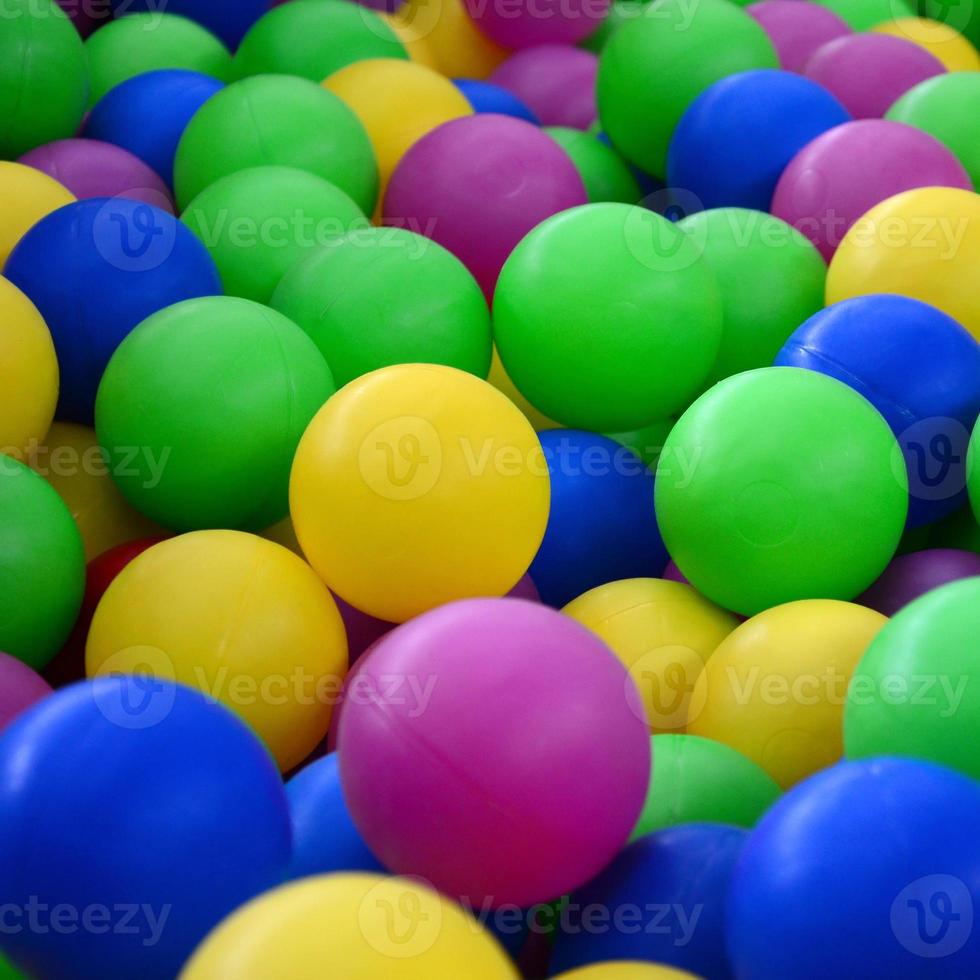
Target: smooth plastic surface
[
  {"x": 20, "y": 687},
  {"x": 228, "y": 19},
  {"x": 797, "y": 30},
  {"x": 605, "y": 174},
  {"x": 26, "y": 196},
  {"x": 488, "y": 97},
  {"x": 909, "y": 576}
]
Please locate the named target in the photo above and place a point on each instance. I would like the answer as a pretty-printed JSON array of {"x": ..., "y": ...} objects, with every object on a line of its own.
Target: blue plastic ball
[
  {"x": 487, "y": 97},
  {"x": 602, "y": 526},
  {"x": 868, "y": 869},
  {"x": 135, "y": 814},
  {"x": 736, "y": 138},
  {"x": 662, "y": 900},
  {"x": 920, "y": 369},
  {"x": 148, "y": 114},
  {"x": 228, "y": 19},
  {"x": 97, "y": 268}
]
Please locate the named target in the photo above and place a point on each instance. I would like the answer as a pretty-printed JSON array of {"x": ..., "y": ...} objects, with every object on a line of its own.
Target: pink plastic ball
[
  {"x": 525, "y": 23},
  {"x": 20, "y": 687},
  {"x": 797, "y": 28},
  {"x": 521, "y": 773}
]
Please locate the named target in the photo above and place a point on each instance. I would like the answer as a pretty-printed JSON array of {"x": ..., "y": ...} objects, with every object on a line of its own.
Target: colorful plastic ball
[
  {"x": 385, "y": 296},
  {"x": 947, "y": 107},
  {"x": 770, "y": 277},
  {"x": 650, "y": 894},
  {"x": 478, "y": 186},
  {"x": 419, "y": 454},
  {"x": 26, "y": 196},
  {"x": 43, "y": 76},
  {"x": 620, "y": 306},
  {"x": 118, "y": 261},
  {"x": 737, "y": 137},
  {"x": 460, "y": 48},
  {"x": 147, "y": 114},
  {"x": 228, "y": 19},
  {"x": 181, "y": 384},
  {"x": 258, "y": 223},
  {"x": 198, "y": 824},
  {"x": 797, "y": 29},
  {"x": 881, "y": 856},
  {"x": 868, "y": 72},
  {"x": 923, "y": 382},
  {"x": 363, "y": 925},
  {"x": 238, "y": 617},
  {"x": 20, "y": 687},
  {"x": 923, "y": 243},
  {"x": 606, "y": 176},
  {"x": 90, "y": 168},
  {"x": 940, "y": 39},
  {"x": 658, "y": 63},
  {"x": 627, "y": 970},
  {"x": 909, "y": 576},
  {"x": 556, "y": 81},
  {"x": 501, "y": 381},
  {"x": 139, "y": 43},
  {"x": 412, "y": 34},
  {"x": 664, "y": 632},
  {"x": 477, "y": 816},
  {"x": 487, "y": 97},
  {"x": 529, "y": 25},
  {"x": 794, "y": 493},
  {"x": 276, "y": 120}
]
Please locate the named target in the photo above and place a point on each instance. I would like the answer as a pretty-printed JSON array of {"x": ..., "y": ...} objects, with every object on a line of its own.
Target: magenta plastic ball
[
  {"x": 797, "y": 28},
  {"x": 526, "y": 23},
  {"x": 868, "y": 72},
  {"x": 844, "y": 172},
  {"x": 909, "y": 576},
  {"x": 91, "y": 168},
  {"x": 525, "y": 589},
  {"x": 556, "y": 82},
  {"x": 478, "y": 185},
  {"x": 20, "y": 687},
  {"x": 519, "y": 769}
]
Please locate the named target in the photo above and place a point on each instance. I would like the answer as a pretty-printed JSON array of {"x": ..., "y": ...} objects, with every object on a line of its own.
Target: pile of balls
[{"x": 489, "y": 489}]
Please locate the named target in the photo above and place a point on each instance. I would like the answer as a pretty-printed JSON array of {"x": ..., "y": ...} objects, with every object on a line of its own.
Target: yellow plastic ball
[
  {"x": 775, "y": 688},
  {"x": 923, "y": 243},
  {"x": 940, "y": 40},
  {"x": 26, "y": 196},
  {"x": 72, "y": 461},
  {"x": 412, "y": 34},
  {"x": 351, "y": 927},
  {"x": 460, "y": 48},
  {"x": 625, "y": 970},
  {"x": 238, "y": 617},
  {"x": 663, "y": 632},
  {"x": 500, "y": 379},
  {"x": 28, "y": 372},
  {"x": 416, "y": 485}
]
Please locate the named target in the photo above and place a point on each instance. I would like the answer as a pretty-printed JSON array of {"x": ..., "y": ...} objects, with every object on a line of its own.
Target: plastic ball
[
  {"x": 181, "y": 383},
  {"x": 478, "y": 186},
  {"x": 501, "y": 381},
  {"x": 909, "y": 576},
  {"x": 238, "y": 617},
  {"x": 626, "y": 970},
  {"x": 229, "y": 19},
  {"x": 118, "y": 261},
  {"x": 923, "y": 243},
  {"x": 868, "y": 72},
  {"x": 651, "y": 892},
  {"x": 949, "y": 46},
  {"x": 487, "y": 97},
  {"x": 139, "y": 43},
  {"x": 664, "y": 633},
  {"x": 881, "y": 856},
  {"x": 947, "y": 107},
  {"x": 363, "y": 925},
  {"x": 419, "y": 454},
  {"x": 797, "y": 29},
  {"x": 529, "y": 25},
  {"x": 757, "y": 521},
  {"x": 147, "y": 114},
  {"x": 973, "y": 472},
  {"x": 20, "y": 687},
  {"x": 581, "y": 762},
  {"x": 556, "y": 81},
  {"x": 258, "y": 223},
  {"x": 606, "y": 176},
  {"x": 737, "y": 137},
  {"x": 770, "y": 277},
  {"x": 26, "y": 196},
  {"x": 412, "y": 34},
  {"x": 862, "y": 15},
  {"x": 656, "y": 64},
  {"x": 43, "y": 79},
  {"x": 923, "y": 382},
  {"x": 280, "y": 121},
  {"x": 192, "y": 790},
  {"x": 460, "y": 48},
  {"x": 619, "y": 305},
  {"x": 384, "y": 296}
]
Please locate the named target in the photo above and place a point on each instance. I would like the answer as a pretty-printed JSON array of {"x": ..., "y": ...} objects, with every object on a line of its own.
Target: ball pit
[
  {"x": 487, "y": 97},
  {"x": 20, "y": 687},
  {"x": 909, "y": 576},
  {"x": 26, "y": 196},
  {"x": 797, "y": 29},
  {"x": 606, "y": 176},
  {"x": 943, "y": 42}
]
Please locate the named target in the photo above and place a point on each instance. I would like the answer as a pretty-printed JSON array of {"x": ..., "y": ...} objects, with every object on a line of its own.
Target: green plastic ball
[
  {"x": 620, "y": 11},
  {"x": 656, "y": 64},
  {"x": 862, "y": 15},
  {"x": 603, "y": 171},
  {"x": 962, "y": 17},
  {"x": 947, "y": 107},
  {"x": 215, "y": 393},
  {"x": 648, "y": 442},
  {"x": 7, "y": 972},
  {"x": 384, "y": 296},
  {"x": 258, "y": 223},
  {"x": 698, "y": 780},
  {"x": 276, "y": 120},
  {"x": 43, "y": 76},
  {"x": 916, "y": 691},
  {"x": 315, "y": 39},
  {"x": 606, "y": 318},
  {"x": 771, "y": 279},
  {"x": 42, "y": 566},
  {"x": 139, "y": 43},
  {"x": 781, "y": 484}
]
